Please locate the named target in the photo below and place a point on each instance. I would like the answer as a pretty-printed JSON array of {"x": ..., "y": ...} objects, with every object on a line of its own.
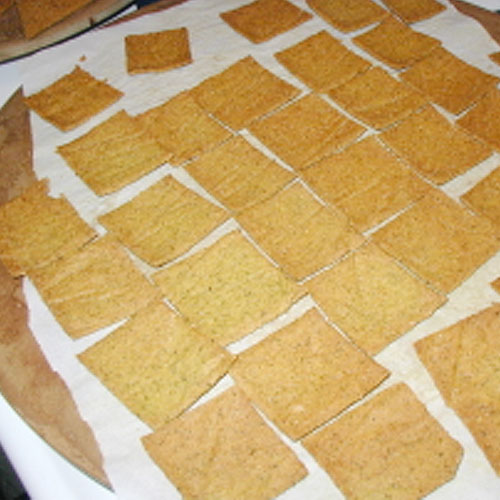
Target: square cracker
[
  {"x": 298, "y": 232},
  {"x": 377, "y": 98},
  {"x": 93, "y": 287},
  {"x": 348, "y": 15},
  {"x": 36, "y": 229},
  {"x": 411, "y": 11},
  {"x": 414, "y": 139},
  {"x": 156, "y": 364},
  {"x": 242, "y": 93},
  {"x": 73, "y": 99},
  {"x": 389, "y": 447},
  {"x": 262, "y": 20},
  {"x": 164, "y": 221},
  {"x": 396, "y": 44},
  {"x": 113, "y": 154},
  {"x": 228, "y": 289},
  {"x": 372, "y": 298},
  {"x": 305, "y": 374},
  {"x": 224, "y": 450},
  {"x": 464, "y": 361},
  {"x": 366, "y": 181},
  {"x": 322, "y": 62},
  {"x": 440, "y": 240},
  {"x": 238, "y": 175},
  {"x": 158, "y": 51},
  {"x": 448, "y": 81},
  {"x": 306, "y": 131}
]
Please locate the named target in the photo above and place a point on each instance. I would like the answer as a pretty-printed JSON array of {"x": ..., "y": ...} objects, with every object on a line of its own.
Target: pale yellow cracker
[
  {"x": 262, "y": 20},
  {"x": 183, "y": 128},
  {"x": 415, "y": 140},
  {"x": 322, "y": 62},
  {"x": 93, "y": 287},
  {"x": 377, "y": 98},
  {"x": 36, "y": 229},
  {"x": 239, "y": 175},
  {"x": 449, "y": 81},
  {"x": 156, "y": 364},
  {"x": 440, "y": 240},
  {"x": 372, "y": 298},
  {"x": 73, "y": 99},
  {"x": 305, "y": 374},
  {"x": 299, "y": 233},
  {"x": 164, "y": 221},
  {"x": 224, "y": 450},
  {"x": 243, "y": 92},
  {"x": 396, "y": 44},
  {"x": 228, "y": 289},
  {"x": 367, "y": 182},
  {"x": 348, "y": 15},
  {"x": 158, "y": 51},
  {"x": 113, "y": 154},
  {"x": 464, "y": 361},
  {"x": 411, "y": 11},
  {"x": 306, "y": 131},
  {"x": 390, "y": 447}
]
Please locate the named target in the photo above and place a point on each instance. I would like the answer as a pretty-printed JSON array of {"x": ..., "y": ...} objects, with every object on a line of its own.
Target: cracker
[
  {"x": 156, "y": 364},
  {"x": 242, "y": 93},
  {"x": 238, "y": 175},
  {"x": 495, "y": 57},
  {"x": 262, "y": 20},
  {"x": 439, "y": 240},
  {"x": 372, "y": 298},
  {"x": 183, "y": 128},
  {"x": 390, "y": 447},
  {"x": 93, "y": 287},
  {"x": 306, "y": 131},
  {"x": 36, "y": 229},
  {"x": 377, "y": 98},
  {"x": 73, "y": 99},
  {"x": 299, "y": 233},
  {"x": 113, "y": 154},
  {"x": 348, "y": 15},
  {"x": 396, "y": 44},
  {"x": 414, "y": 139},
  {"x": 496, "y": 285},
  {"x": 464, "y": 361},
  {"x": 158, "y": 51},
  {"x": 449, "y": 81},
  {"x": 305, "y": 374},
  {"x": 228, "y": 289},
  {"x": 412, "y": 11},
  {"x": 322, "y": 62},
  {"x": 367, "y": 182},
  {"x": 224, "y": 450}
]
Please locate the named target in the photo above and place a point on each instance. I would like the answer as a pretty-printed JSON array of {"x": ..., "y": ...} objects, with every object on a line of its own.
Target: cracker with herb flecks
[{"x": 412, "y": 11}]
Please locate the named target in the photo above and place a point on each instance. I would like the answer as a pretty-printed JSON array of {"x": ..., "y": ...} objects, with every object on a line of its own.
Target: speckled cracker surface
[
  {"x": 439, "y": 240},
  {"x": 73, "y": 99},
  {"x": 36, "y": 229},
  {"x": 242, "y": 93},
  {"x": 156, "y": 364},
  {"x": 262, "y": 20},
  {"x": 464, "y": 361},
  {"x": 164, "y": 221},
  {"x": 305, "y": 374},
  {"x": 414, "y": 139},
  {"x": 322, "y": 62},
  {"x": 238, "y": 174},
  {"x": 299, "y": 233},
  {"x": 390, "y": 447},
  {"x": 93, "y": 287},
  {"x": 113, "y": 154},
  {"x": 158, "y": 51},
  {"x": 306, "y": 131},
  {"x": 411, "y": 11},
  {"x": 228, "y": 289},
  {"x": 224, "y": 450},
  {"x": 372, "y": 298}
]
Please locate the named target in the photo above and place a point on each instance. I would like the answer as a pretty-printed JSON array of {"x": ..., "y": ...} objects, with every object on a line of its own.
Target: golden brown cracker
[
  {"x": 496, "y": 285},
  {"x": 495, "y": 57},
  {"x": 412, "y": 11}
]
